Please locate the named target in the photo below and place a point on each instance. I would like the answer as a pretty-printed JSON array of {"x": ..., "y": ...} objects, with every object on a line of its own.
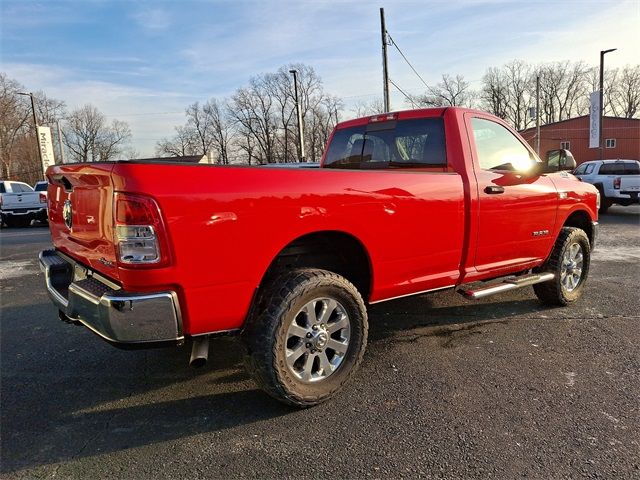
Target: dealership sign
[
  {"x": 46, "y": 147},
  {"x": 594, "y": 120}
]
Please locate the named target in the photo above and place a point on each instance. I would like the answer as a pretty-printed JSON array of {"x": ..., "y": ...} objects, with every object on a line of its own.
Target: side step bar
[{"x": 509, "y": 283}]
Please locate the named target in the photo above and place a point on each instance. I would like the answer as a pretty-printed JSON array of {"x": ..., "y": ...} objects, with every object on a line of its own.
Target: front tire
[
  {"x": 307, "y": 338},
  {"x": 569, "y": 261}
]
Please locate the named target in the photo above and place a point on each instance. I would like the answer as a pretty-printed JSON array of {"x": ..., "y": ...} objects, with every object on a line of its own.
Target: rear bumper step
[
  {"x": 125, "y": 319},
  {"x": 510, "y": 283}
]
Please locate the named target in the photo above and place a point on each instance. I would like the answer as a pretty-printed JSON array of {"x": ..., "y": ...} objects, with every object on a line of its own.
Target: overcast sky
[{"x": 145, "y": 61}]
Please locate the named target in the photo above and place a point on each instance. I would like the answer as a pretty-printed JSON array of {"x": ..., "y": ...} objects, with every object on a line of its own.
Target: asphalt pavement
[{"x": 501, "y": 388}]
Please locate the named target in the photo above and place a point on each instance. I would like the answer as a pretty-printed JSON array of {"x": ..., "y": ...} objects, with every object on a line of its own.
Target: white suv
[{"x": 617, "y": 180}]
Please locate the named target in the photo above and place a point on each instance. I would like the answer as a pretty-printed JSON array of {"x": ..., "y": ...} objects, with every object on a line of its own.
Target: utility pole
[
  {"x": 602, "y": 54},
  {"x": 385, "y": 68},
  {"x": 299, "y": 114},
  {"x": 60, "y": 141},
  {"x": 35, "y": 126},
  {"x": 538, "y": 115}
]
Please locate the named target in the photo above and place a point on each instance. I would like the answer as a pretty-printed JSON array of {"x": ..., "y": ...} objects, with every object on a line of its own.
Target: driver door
[{"x": 516, "y": 210}]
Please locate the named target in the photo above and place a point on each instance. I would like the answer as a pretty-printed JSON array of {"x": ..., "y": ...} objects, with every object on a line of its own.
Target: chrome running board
[{"x": 509, "y": 283}]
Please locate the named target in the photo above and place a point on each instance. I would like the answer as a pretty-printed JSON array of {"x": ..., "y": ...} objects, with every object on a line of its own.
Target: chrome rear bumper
[{"x": 123, "y": 318}]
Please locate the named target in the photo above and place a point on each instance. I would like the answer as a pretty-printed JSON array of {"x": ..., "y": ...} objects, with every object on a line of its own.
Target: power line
[
  {"x": 402, "y": 92},
  {"x": 406, "y": 60}
]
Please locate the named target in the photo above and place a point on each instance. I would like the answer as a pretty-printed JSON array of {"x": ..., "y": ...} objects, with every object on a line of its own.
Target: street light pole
[
  {"x": 602, "y": 54},
  {"x": 35, "y": 126},
  {"x": 299, "y": 114}
]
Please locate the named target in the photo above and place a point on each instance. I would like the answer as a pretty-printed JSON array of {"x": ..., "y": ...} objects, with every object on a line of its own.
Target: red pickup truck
[{"x": 154, "y": 254}]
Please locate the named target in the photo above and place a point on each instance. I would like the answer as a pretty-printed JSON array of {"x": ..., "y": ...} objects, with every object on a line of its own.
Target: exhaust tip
[
  {"x": 198, "y": 362},
  {"x": 199, "y": 352}
]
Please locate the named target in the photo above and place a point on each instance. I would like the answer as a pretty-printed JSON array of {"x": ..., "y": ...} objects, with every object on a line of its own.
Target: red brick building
[{"x": 621, "y": 138}]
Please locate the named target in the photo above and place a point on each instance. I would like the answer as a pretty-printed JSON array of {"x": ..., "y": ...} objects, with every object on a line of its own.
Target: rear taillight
[
  {"x": 616, "y": 183},
  {"x": 43, "y": 198},
  {"x": 139, "y": 231}
]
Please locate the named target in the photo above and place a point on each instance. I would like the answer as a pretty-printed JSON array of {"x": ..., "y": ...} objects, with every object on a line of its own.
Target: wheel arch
[
  {"x": 333, "y": 250},
  {"x": 581, "y": 219}
]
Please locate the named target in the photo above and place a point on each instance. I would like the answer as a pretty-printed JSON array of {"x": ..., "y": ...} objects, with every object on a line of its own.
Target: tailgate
[
  {"x": 630, "y": 183},
  {"x": 21, "y": 200},
  {"x": 80, "y": 214}
]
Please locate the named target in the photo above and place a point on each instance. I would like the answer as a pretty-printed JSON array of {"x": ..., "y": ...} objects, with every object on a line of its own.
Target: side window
[
  {"x": 589, "y": 169},
  {"x": 2, "y": 189},
  {"x": 498, "y": 148},
  {"x": 580, "y": 170}
]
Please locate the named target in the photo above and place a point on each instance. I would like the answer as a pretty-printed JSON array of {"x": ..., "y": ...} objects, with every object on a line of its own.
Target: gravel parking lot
[{"x": 501, "y": 388}]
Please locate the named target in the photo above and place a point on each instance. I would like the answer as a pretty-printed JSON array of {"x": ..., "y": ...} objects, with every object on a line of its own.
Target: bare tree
[
  {"x": 90, "y": 138},
  {"x": 450, "y": 92},
  {"x": 363, "y": 108},
  {"x": 18, "y": 145},
  {"x": 520, "y": 83},
  {"x": 220, "y": 128},
  {"x": 183, "y": 143},
  {"x": 494, "y": 93},
  {"x": 254, "y": 113},
  {"x": 627, "y": 99},
  {"x": 200, "y": 125},
  {"x": 14, "y": 121},
  {"x": 207, "y": 131}
]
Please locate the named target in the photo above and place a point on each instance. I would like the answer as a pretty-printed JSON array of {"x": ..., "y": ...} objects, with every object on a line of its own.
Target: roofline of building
[{"x": 577, "y": 118}]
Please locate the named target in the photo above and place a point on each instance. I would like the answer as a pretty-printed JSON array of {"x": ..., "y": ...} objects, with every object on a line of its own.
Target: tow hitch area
[{"x": 509, "y": 283}]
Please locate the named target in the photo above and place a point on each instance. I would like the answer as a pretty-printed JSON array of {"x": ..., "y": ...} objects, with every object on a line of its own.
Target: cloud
[
  {"x": 150, "y": 113},
  {"x": 153, "y": 20},
  {"x": 170, "y": 54}
]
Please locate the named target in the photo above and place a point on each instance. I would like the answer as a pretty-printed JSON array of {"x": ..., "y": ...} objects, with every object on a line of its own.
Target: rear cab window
[
  {"x": 411, "y": 143},
  {"x": 616, "y": 168},
  {"x": 632, "y": 168}
]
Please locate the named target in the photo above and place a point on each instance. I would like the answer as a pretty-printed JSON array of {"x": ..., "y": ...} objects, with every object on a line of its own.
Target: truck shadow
[
  {"x": 68, "y": 396},
  {"x": 445, "y": 312}
]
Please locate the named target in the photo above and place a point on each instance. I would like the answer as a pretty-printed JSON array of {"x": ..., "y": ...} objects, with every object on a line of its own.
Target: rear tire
[
  {"x": 306, "y": 337},
  {"x": 569, "y": 261},
  {"x": 605, "y": 203}
]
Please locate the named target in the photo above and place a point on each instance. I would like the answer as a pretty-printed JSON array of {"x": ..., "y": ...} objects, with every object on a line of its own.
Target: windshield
[
  {"x": 41, "y": 186},
  {"x": 391, "y": 144}
]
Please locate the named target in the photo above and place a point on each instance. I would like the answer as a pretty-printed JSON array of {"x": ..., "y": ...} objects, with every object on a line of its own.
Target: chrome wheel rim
[
  {"x": 317, "y": 340},
  {"x": 571, "y": 270}
]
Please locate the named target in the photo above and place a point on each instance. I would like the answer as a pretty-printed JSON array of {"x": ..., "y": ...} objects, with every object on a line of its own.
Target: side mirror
[{"x": 561, "y": 159}]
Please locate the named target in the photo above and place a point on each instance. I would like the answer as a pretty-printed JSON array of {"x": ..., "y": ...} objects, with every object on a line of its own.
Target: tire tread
[{"x": 259, "y": 332}]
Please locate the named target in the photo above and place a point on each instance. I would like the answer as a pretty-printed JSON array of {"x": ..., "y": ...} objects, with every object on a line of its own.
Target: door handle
[{"x": 493, "y": 189}]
